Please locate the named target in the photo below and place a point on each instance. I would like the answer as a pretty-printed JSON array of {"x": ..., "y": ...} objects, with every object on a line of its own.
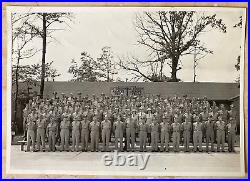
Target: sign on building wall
[{"x": 127, "y": 91}]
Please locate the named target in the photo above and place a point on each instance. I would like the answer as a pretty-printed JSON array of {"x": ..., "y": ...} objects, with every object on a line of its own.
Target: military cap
[{"x": 133, "y": 110}]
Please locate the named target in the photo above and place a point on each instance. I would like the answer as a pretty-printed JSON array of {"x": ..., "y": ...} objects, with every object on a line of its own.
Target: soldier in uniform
[
  {"x": 223, "y": 113},
  {"x": 143, "y": 134},
  {"x": 231, "y": 133},
  {"x": 197, "y": 134},
  {"x": 31, "y": 127},
  {"x": 41, "y": 133},
  {"x": 64, "y": 126},
  {"x": 118, "y": 127},
  {"x": 51, "y": 132},
  {"x": 94, "y": 134},
  {"x": 204, "y": 117},
  {"x": 220, "y": 125},
  {"x": 209, "y": 127},
  {"x": 130, "y": 133},
  {"x": 176, "y": 134},
  {"x": 76, "y": 133},
  {"x": 106, "y": 127},
  {"x": 154, "y": 134},
  {"x": 149, "y": 121},
  {"x": 186, "y": 127},
  {"x": 25, "y": 117},
  {"x": 165, "y": 129},
  {"x": 85, "y": 132}
]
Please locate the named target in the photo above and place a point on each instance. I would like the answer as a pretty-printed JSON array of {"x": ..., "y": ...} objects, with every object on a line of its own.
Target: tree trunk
[
  {"x": 43, "y": 55},
  {"x": 174, "y": 70},
  {"x": 17, "y": 90}
]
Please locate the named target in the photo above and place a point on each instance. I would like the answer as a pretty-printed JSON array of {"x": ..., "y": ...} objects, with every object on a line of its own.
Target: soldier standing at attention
[
  {"x": 220, "y": 125},
  {"x": 224, "y": 113},
  {"x": 231, "y": 129},
  {"x": 149, "y": 121},
  {"x": 25, "y": 117},
  {"x": 41, "y": 133},
  {"x": 209, "y": 127},
  {"x": 154, "y": 135},
  {"x": 197, "y": 136},
  {"x": 85, "y": 132},
  {"x": 165, "y": 128},
  {"x": 135, "y": 118},
  {"x": 106, "y": 127},
  {"x": 94, "y": 134},
  {"x": 186, "y": 127},
  {"x": 118, "y": 127},
  {"x": 76, "y": 133},
  {"x": 130, "y": 133},
  {"x": 176, "y": 134},
  {"x": 51, "y": 132},
  {"x": 143, "y": 134},
  {"x": 204, "y": 118},
  {"x": 65, "y": 124},
  {"x": 31, "y": 126}
]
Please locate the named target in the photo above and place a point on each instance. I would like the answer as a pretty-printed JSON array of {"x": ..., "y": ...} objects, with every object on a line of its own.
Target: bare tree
[
  {"x": 22, "y": 36},
  {"x": 169, "y": 35},
  {"x": 144, "y": 70}
]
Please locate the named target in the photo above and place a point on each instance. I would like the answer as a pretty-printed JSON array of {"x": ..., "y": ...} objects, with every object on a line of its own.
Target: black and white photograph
[{"x": 126, "y": 91}]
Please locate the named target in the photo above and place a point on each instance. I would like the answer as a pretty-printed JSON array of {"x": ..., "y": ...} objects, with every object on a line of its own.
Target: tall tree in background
[
  {"x": 21, "y": 36},
  {"x": 107, "y": 65},
  {"x": 169, "y": 35},
  {"x": 46, "y": 31},
  {"x": 87, "y": 70},
  {"x": 31, "y": 74},
  {"x": 237, "y": 65},
  {"x": 93, "y": 70}
]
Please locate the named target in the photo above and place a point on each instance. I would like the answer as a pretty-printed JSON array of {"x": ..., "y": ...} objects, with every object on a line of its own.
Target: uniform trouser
[
  {"x": 210, "y": 138},
  {"x": 143, "y": 138},
  {"x": 118, "y": 138},
  {"x": 30, "y": 138},
  {"x": 149, "y": 138},
  {"x": 64, "y": 139},
  {"x": 231, "y": 141},
  {"x": 85, "y": 139},
  {"x": 94, "y": 140},
  {"x": 40, "y": 138},
  {"x": 130, "y": 133},
  {"x": 154, "y": 140},
  {"x": 52, "y": 140},
  {"x": 105, "y": 139},
  {"x": 75, "y": 140},
  {"x": 186, "y": 135},
  {"x": 164, "y": 140},
  {"x": 197, "y": 137},
  {"x": 176, "y": 141},
  {"x": 220, "y": 140},
  {"x": 58, "y": 138}
]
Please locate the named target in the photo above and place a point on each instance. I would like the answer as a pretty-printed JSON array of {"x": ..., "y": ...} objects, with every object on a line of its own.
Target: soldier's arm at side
[
  {"x": 56, "y": 129},
  {"x": 47, "y": 131}
]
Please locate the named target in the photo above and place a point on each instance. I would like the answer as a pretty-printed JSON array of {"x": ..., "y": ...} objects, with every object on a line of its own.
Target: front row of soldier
[{"x": 82, "y": 129}]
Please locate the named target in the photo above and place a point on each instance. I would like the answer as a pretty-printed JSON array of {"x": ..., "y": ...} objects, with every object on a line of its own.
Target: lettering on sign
[{"x": 127, "y": 91}]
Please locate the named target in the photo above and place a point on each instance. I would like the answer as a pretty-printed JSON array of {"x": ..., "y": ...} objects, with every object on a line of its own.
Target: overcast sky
[{"x": 94, "y": 29}]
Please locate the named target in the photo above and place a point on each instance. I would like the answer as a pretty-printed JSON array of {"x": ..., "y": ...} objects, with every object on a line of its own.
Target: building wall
[{"x": 213, "y": 91}]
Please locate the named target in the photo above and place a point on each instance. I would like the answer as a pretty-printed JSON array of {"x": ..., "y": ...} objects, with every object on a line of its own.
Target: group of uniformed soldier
[{"x": 154, "y": 120}]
